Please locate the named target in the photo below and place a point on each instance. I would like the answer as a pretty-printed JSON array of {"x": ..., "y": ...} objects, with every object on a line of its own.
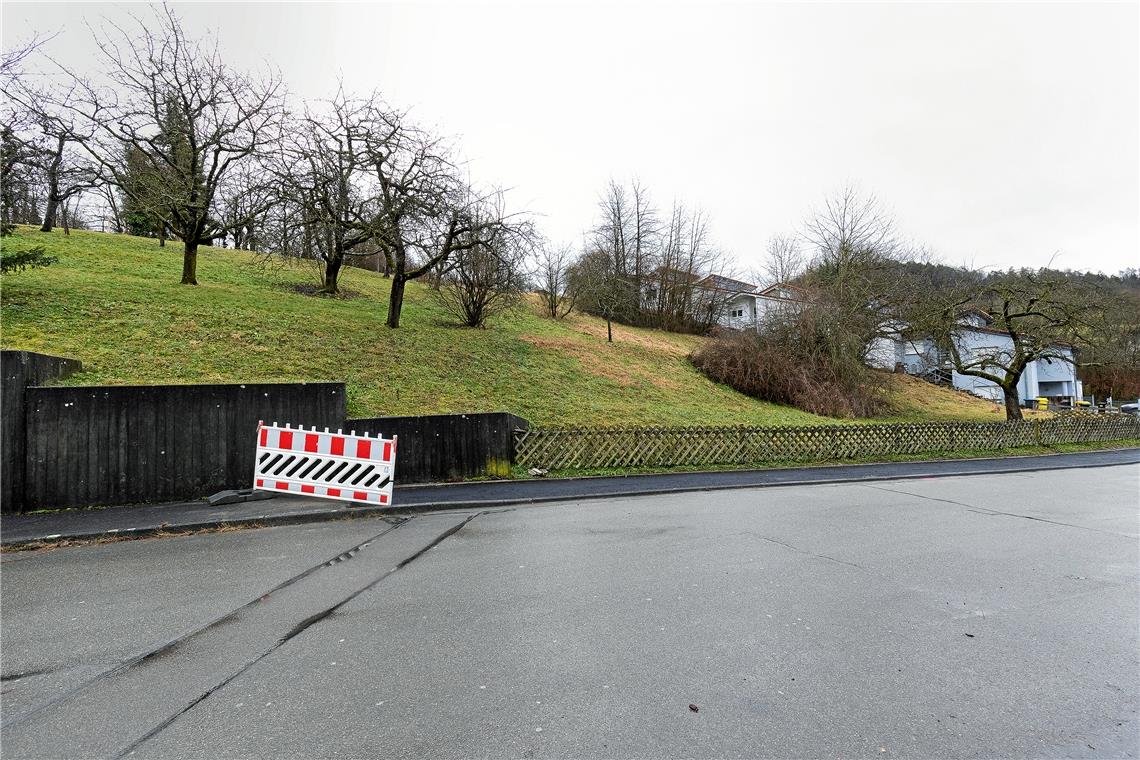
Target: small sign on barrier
[{"x": 343, "y": 466}]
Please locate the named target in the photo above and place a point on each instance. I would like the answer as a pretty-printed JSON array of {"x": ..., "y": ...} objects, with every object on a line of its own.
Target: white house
[
  {"x": 1051, "y": 378},
  {"x": 750, "y": 306}
]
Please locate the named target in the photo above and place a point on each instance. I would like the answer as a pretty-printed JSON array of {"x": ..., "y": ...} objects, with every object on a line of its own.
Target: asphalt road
[
  {"x": 141, "y": 519},
  {"x": 990, "y": 615}
]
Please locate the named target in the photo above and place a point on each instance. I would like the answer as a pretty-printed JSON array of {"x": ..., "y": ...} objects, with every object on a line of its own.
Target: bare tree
[
  {"x": 244, "y": 202},
  {"x": 553, "y": 273},
  {"x": 1031, "y": 316},
  {"x": 854, "y": 258},
  {"x": 686, "y": 294},
  {"x": 645, "y": 233},
  {"x": 850, "y": 235},
  {"x": 426, "y": 213},
  {"x": 191, "y": 119},
  {"x": 19, "y": 146},
  {"x": 64, "y": 167},
  {"x": 785, "y": 260},
  {"x": 596, "y": 282},
  {"x": 485, "y": 279},
  {"x": 325, "y": 175},
  {"x": 615, "y": 234},
  {"x": 111, "y": 211}
]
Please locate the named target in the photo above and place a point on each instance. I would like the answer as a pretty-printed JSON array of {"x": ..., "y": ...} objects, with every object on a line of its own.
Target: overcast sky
[{"x": 999, "y": 135}]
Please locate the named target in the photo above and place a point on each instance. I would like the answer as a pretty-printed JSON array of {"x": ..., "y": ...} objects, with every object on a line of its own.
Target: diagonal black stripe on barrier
[
  {"x": 320, "y": 473},
  {"x": 355, "y": 466},
  {"x": 299, "y": 465},
  {"x": 362, "y": 474},
  {"x": 288, "y": 461},
  {"x": 328, "y": 476},
  {"x": 269, "y": 465},
  {"x": 316, "y": 463}
]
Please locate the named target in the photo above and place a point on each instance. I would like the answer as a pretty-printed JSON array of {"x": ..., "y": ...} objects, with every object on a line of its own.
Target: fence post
[{"x": 1037, "y": 431}]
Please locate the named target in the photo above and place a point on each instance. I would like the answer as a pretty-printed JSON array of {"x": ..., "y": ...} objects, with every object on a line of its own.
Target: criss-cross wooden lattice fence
[{"x": 630, "y": 447}]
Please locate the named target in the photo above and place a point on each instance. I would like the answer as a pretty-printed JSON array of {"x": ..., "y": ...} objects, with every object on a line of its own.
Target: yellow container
[{"x": 1042, "y": 403}]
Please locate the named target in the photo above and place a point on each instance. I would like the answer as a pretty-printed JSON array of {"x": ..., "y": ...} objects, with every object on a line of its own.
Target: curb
[{"x": 329, "y": 515}]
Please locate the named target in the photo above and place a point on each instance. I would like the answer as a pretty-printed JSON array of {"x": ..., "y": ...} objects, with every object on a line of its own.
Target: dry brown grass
[
  {"x": 653, "y": 340},
  {"x": 589, "y": 357},
  {"x": 914, "y": 398}
]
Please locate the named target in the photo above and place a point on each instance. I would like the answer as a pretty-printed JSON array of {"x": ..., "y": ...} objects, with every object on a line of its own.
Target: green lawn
[{"x": 114, "y": 302}]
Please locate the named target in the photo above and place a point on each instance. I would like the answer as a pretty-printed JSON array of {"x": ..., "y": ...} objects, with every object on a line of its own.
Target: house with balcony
[{"x": 1052, "y": 378}]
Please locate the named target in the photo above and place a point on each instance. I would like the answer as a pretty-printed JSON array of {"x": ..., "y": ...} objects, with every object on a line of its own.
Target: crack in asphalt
[
  {"x": 997, "y": 512},
  {"x": 25, "y": 674},
  {"x": 801, "y": 551},
  {"x": 225, "y": 619},
  {"x": 295, "y": 631}
]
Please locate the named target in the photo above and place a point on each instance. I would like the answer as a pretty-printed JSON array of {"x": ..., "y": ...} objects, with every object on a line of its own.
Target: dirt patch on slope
[
  {"x": 674, "y": 345},
  {"x": 593, "y": 360}
]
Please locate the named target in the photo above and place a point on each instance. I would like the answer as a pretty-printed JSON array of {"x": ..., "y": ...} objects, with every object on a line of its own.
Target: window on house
[{"x": 738, "y": 312}]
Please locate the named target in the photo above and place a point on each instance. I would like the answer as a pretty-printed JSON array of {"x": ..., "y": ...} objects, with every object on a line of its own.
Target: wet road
[{"x": 993, "y": 615}]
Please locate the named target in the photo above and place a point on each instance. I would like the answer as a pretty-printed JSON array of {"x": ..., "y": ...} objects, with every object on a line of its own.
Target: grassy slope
[{"x": 113, "y": 302}]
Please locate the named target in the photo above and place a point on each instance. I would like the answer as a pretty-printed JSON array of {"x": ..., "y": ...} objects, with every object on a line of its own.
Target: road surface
[{"x": 990, "y": 615}]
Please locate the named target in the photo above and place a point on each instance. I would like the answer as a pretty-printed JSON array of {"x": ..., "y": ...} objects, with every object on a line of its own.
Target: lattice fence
[{"x": 599, "y": 448}]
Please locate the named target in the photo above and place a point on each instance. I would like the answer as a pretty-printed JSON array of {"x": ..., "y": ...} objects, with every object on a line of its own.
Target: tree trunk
[
  {"x": 609, "y": 331},
  {"x": 1012, "y": 403},
  {"x": 53, "y": 188},
  {"x": 51, "y": 209},
  {"x": 396, "y": 300},
  {"x": 190, "y": 262},
  {"x": 332, "y": 274},
  {"x": 116, "y": 220}
]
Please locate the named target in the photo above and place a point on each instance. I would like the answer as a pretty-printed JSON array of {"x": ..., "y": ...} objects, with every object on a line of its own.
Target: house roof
[
  {"x": 773, "y": 291},
  {"x": 720, "y": 282},
  {"x": 977, "y": 313}
]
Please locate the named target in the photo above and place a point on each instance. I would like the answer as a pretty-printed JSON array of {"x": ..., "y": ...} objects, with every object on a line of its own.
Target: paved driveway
[{"x": 990, "y": 615}]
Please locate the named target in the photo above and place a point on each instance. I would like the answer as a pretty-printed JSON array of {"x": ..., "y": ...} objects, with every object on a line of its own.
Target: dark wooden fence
[
  {"x": 21, "y": 369},
  {"x": 126, "y": 444},
  {"x": 82, "y": 446},
  {"x": 448, "y": 446},
  {"x": 605, "y": 448}
]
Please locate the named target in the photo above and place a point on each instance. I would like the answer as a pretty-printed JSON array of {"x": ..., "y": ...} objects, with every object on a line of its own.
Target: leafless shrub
[
  {"x": 553, "y": 274},
  {"x": 807, "y": 361},
  {"x": 483, "y": 280}
]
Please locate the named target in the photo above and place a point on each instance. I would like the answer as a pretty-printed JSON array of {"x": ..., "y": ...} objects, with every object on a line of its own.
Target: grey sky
[{"x": 998, "y": 134}]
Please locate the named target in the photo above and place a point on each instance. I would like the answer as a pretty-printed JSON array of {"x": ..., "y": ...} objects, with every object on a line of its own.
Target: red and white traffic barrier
[{"x": 338, "y": 465}]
